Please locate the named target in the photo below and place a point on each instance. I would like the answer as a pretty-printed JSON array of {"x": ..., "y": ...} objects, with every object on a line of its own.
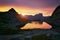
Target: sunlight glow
[{"x": 23, "y": 14}]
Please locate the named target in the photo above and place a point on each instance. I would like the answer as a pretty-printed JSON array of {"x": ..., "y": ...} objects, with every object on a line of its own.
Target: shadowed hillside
[
  {"x": 10, "y": 21},
  {"x": 54, "y": 20}
]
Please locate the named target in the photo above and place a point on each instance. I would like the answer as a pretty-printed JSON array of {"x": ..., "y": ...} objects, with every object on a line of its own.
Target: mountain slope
[{"x": 54, "y": 20}]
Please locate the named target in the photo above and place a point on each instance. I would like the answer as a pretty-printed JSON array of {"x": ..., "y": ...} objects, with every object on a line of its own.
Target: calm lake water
[{"x": 34, "y": 25}]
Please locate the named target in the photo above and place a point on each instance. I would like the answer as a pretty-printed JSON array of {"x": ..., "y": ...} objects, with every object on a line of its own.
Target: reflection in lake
[{"x": 35, "y": 25}]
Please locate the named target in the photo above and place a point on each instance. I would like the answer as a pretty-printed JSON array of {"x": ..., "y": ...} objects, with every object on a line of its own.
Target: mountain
[
  {"x": 38, "y": 17},
  {"x": 11, "y": 19},
  {"x": 54, "y": 20}
]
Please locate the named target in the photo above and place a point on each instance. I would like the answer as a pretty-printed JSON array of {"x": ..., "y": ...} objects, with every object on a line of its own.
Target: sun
[{"x": 23, "y": 14}]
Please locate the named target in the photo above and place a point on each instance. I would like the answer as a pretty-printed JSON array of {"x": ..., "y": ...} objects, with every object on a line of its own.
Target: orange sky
[
  {"x": 30, "y": 7},
  {"x": 29, "y": 11}
]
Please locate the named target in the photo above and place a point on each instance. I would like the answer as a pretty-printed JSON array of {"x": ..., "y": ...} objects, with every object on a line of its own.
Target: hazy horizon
[{"x": 30, "y": 7}]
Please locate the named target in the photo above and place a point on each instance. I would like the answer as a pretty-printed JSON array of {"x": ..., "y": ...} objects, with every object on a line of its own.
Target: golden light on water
[{"x": 35, "y": 25}]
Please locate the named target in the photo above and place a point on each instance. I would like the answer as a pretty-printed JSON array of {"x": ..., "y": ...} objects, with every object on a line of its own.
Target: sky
[{"x": 46, "y": 7}]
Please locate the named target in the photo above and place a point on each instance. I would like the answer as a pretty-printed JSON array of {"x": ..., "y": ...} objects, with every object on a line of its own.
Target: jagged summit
[
  {"x": 12, "y": 9},
  {"x": 12, "y": 12}
]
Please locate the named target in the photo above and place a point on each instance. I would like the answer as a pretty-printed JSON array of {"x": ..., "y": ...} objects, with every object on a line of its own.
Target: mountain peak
[{"x": 12, "y": 9}]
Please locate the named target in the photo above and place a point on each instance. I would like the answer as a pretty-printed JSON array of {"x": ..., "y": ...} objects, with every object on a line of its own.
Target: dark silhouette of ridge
[
  {"x": 37, "y": 17},
  {"x": 12, "y": 9},
  {"x": 56, "y": 11},
  {"x": 54, "y": 20}
]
